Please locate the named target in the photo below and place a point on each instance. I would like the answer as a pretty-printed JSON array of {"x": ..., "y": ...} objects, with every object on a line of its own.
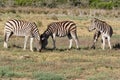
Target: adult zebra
[
  {"x": 22, "y": 28},
  {"x": 102, "y": 28},
  {"x": 60, "y": 29}
]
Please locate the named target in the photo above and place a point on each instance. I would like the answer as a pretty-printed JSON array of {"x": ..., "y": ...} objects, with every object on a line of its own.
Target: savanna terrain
[{"x": 61, "y": 64}]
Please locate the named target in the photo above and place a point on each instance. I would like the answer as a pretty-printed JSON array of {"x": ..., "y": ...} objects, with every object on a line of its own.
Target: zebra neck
[
  {"x": 47, "y": 34},
  {"x": 37, "y": 37}
]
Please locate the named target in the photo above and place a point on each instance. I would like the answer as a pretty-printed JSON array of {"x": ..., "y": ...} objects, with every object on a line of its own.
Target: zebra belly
[
  {"x": 19, "y": 34},
  {"x": 61, "y": 34},
  {"x": 105, "y": 35}
]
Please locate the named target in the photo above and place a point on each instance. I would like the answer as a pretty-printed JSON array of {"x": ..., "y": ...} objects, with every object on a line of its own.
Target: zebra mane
[{"x": 98, "y": 20}]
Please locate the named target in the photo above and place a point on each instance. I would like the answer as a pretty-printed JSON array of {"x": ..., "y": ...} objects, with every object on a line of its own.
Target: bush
[
  {"x": 52, "y": 5},
  {"x": 23, "y": 2},
  {"x": 105, "y": 5},
  {"x": 2, "y": 3}
]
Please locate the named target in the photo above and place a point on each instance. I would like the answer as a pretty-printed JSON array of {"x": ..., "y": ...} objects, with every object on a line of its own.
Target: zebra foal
[
  {"x": 22, "y": 28},
  {"x": 60, "y": 29},
  {"x": 102, "y": 28}
]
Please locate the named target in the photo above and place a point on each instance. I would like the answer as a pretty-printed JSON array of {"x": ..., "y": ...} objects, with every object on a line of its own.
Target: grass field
[{"x": 60, "y": 64}]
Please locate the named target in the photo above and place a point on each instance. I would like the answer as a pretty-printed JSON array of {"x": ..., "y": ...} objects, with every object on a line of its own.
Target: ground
[{"x": 60, "y": 64}]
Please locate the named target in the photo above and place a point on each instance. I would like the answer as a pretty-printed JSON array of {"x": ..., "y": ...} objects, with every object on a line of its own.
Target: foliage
[
  {"x": 23, "y": 2},
  {"x": 7, "y": 72},
  {"x": 103, "y": 4},
  {"x": 2, "y": 3}
]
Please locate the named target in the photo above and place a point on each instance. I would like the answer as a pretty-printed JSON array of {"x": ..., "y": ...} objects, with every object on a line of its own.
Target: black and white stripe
[
  {"x": 102, "y": 28},
  {"x": 60, "y": 29},
  {"x": 21, "y": 28}
]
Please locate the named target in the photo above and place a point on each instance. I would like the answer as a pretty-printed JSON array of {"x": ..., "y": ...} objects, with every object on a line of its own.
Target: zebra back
[
  {"x": 101, "y": 26},
  {"x": 22, "y": 28},
  {"x": 61, "y": 29}
]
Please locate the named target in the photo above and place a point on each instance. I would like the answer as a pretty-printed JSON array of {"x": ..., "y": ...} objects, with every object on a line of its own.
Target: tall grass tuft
[
  {"x": 39, "y": 24},
  {"x": 47, "y": 76},
  {"x": 7, "y": 72}
]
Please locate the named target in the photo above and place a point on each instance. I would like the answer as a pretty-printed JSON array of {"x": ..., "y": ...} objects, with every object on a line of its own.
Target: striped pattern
[
  {"x": 102, "y": 28},
  {"x": 21, "y": 28},
  {"x": 60, "y": 29}
]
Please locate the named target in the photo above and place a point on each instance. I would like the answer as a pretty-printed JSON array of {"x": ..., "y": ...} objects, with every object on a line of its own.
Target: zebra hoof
[
  {"x": 54, "y": 48},
  {"x": 31, "y": 50},
  {"x": 93, "y": 47},
  {"x": 78, "y": 48},
  {"x": 68, "y": 49},
  {"x": 39, "y": 50}
]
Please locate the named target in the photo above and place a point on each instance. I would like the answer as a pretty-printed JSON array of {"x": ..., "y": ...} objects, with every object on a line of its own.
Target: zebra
[
  {"x": 95, "y": 38},
  {"x": 60, "y": 29},
  {"x": 22, "y": 28},
  {"x": 102, "y": 28}
]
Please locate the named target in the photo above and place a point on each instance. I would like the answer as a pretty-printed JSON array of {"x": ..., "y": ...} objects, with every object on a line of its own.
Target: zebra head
[
  {"x": 93, "y": 25},
  {"x": 44, "y": 41},
  {"x": 38, "y": 44}
]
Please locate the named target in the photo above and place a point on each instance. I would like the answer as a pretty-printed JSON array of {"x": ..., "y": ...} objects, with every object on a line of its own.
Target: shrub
[
  {"x": 47, "y": 76},
  {"x": 105, "y": 5},
  {"x": 7, "y": 72}
]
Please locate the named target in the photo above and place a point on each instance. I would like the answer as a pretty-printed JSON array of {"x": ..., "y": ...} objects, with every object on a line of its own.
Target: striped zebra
[
  {"x": 102, "y": 28},
  {"x": 22, "y": 28},
  {"x": 60, "y": 29}
]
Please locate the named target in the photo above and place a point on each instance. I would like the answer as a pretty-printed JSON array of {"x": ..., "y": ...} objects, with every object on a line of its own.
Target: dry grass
[{"x": 84, "y": 64}]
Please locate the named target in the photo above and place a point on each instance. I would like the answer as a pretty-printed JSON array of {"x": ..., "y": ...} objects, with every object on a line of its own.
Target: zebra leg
[
  {"x": 74, "y": 36},
  {"x": 95, "y": 38},
  {"x": 25, "y": 42},
  {"x": 6, "y": 38},
  {"x": 103, "y": 45},
  {"x": 109, "y": 42},
  {"x": 70, "y": 40},
  {"x": 31, "y": 44},
  {"x": 70, "y": 43},
  {"x": 53, "y": 38}
]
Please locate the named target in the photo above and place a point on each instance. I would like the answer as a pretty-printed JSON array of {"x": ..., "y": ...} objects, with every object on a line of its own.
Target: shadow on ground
[
  {"x": 116, "y": 46},
  {"x": 59, "y": 49}
]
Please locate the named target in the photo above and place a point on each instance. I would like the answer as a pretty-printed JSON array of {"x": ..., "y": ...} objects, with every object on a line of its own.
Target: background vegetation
[{"x": 102, "y": 4}]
